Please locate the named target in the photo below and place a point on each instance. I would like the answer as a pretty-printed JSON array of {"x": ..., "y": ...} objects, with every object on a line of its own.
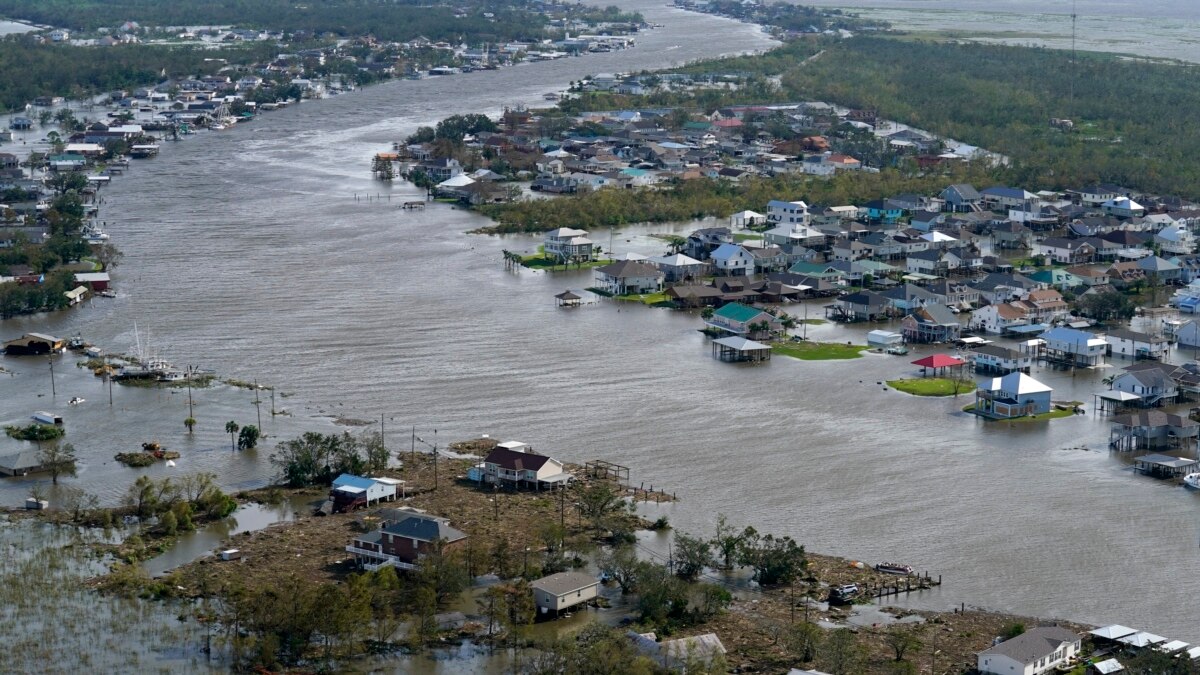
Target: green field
[
  {"x": 933, "y": 386},
  {"x": 818, "y": 351}
]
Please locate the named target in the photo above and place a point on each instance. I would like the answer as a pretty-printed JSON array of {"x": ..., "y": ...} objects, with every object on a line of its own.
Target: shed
[
  {"x": 568, "y": 299},
  {"x": 937, "y": 362},
  {"x": 1164, "y": 466},
  {"x": 564, "y": 590},
  {"x": 34, "y": 343},
  {"x": 736, "y": 349},
  {"x": 883, "y": 338}
]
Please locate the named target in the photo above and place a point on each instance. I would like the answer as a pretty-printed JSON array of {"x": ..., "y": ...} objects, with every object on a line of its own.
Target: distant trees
[{"x": 316, "y": 459}]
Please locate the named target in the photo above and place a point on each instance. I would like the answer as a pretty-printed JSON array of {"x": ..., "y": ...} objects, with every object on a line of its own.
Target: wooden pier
[{"x": 908, "y": 584}]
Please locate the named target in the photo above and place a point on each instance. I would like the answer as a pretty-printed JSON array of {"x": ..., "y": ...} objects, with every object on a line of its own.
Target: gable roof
[
  {"x": 421, "y": 527},
  {"x": 627, "y": 269},
  {"x": 1035, "y": 644},
  {"x": 736, "y": 311},
  {"x": 1017, "y": 383},
  {"x": 564, "y": 582},
  {"x": 516, "y": 461}
]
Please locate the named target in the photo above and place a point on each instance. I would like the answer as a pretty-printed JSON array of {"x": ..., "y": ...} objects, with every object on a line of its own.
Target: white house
[
  {"x": 630, "y": 276},
  {"x": 1176, "y": 238},
  {"x": 743, "y": 219},
  {"x": 787, "y": 212},
  {"x": 998, "y": 318},
  {"x": 1188, "y": 335},
  {"x": 1033, "y": 652},
  {"x": 564, "y": 590},
  {"x": 566, "y": 244},
  {"x": 1134, "y": 345},
  {"x": 997, "y": 359},
  {"x": 349, "y": 489},
  {"x": 1078, "y": 347},
  {"x": 732, "y": 260},
  {"x": 1123, "y": 207},
  {"x": 678, "y": 266},
  {"x": 793, "y": 235},
  {"x": 512, "y": 462},
  {"x": 1153, "y": 383}
]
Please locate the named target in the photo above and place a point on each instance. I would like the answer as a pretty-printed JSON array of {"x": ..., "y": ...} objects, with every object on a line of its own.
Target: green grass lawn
[
  {"x": 932, "y": 386},
  {"x": 746, "y": 236},
  {"x": 818, "y": 351}
]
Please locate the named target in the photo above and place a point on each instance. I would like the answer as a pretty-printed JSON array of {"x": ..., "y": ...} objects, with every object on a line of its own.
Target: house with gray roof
[
  {"x": 403, "y": 538},
  {"x": 961, "y": 198},
  {"x": 1033, "y": 652},
  {"x": 21, "y": 463},
  {"x": 563, "y": 591}
]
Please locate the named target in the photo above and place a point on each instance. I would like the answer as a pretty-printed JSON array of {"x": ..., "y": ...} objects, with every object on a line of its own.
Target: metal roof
[
  {"x": 565, "y": 582},
  {"x": 741, "y": 344},
  {"x": 1114, "y": 631},
  {"x": 1035, "y": 644}
]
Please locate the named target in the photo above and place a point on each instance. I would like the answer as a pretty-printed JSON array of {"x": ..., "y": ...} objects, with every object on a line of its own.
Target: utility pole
[
  {"x": 382, "y": 442},
  {"x": 109, "y": 377},
  {"x": 793, "y": 602},
  {"x": 257, "y": 405},
  {"x": 435, "y": 454},
  {"x": 53, "y": 392},
  {"x": 414, "y": 445}
]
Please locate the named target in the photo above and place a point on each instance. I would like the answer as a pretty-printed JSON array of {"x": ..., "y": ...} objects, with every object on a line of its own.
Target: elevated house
[
  {"x": 1036, "y": 651},
  {"x": 678, "y": 267},
  {"x": 961, "y": 198},
  {"x": 931, "y": 323},
  {"x": 564, "y": 590},
  {"x": 733, "y": 260},
  {"x": 628, "y": 277},
  {"x": 861, "y": 306},
  {"x": 1013, "y": 395},
  {"x": 999, "y": 318},
  {"x": 349, "y": 492},
  {"x": 513, "y": 465},
  {"x": 403, "y": 538},
  {"x": 1074, "y": 347},
  {"x": 1000, "y": 198},
  {"x": 567, "y": 245},
  {"x": 954, "y": 293},
  {"x": 704, "y": 241},
  {"x": 1065, "y": 251},
  {"x": 1131, "y": 344},
  {"x": 1001, "y": 360},
  {"x": 737, "y": 319},
  {"x": 1152, "y": 430},
  {"x": 1012, "y": 235},
  {"x": 1153, "y": 383},
  {"x": 787, "y": 213}
]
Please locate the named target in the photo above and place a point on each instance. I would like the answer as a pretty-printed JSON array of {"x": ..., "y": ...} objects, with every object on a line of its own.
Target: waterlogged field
[{"x": 47, "y": 611}]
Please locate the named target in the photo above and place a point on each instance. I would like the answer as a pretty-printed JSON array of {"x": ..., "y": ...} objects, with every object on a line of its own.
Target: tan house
[{"x": 564, "y": 590}]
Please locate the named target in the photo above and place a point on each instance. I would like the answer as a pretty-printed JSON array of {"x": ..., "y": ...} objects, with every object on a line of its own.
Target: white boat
[
  {"x": 93, "y": 234},
  {"x": 1192, "y": 480},
  {"x": 76, "y": 400}
]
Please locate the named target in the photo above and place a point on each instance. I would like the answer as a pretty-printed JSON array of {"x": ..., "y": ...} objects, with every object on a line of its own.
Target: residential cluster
[{"x": 628, "y": 149}]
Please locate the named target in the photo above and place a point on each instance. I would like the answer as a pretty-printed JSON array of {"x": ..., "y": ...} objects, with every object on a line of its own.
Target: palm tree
[
  {"x": 231, "y": 428},
  {"x": 1109, "y": 380},
  {"x": 788, "y": 322},
  {"x": 189, "y": 423}
]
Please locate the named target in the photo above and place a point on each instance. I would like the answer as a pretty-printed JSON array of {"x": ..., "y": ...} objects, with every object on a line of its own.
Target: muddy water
[{"x": 248, "y": 253}]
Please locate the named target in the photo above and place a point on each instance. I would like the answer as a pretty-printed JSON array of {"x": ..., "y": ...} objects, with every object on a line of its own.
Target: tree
[
  {"x": 107, "y": 255},
  {"x": 725, "y": 542},
  {"x": 622, "y": 566},
  {"x": 248, "y": 438},
  {"x": 803, "y": 641},
  {"x": 774, "y": 560},
  {"x": 141, "y": 496},
  {"x": 376, "y": 452},
  {"x": 707, "y": 313},
  {"x": 59, "y": 460},
  {"x": 597, "y": 502},
  {"x": 190, "y": 423},
  {"x": 231, "y": 428},
  {"x": 841, "y": 653},
  {"x": 902, "y": 639},
  {"x": 494, "y": 606},
  {"x": 692, "y": 556}
]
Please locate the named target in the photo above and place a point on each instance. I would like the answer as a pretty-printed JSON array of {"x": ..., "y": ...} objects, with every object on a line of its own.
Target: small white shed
[{"x": 884, "y": 338}]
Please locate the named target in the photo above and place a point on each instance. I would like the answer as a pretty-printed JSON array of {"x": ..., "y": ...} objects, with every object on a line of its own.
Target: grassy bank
[
  {"x": 541, "y": 262},
  {"x": 933, "y": 386},
  {"x": 818, "y": 351},
  {"x": 651, "y": 299}
]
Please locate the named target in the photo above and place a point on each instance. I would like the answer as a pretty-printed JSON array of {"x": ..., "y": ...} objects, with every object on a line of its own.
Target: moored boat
[
  {"x": 893, "y": 568},
  {"x": 1192, "y": 480}
]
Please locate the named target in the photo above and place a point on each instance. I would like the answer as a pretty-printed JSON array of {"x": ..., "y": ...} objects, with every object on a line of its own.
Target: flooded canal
[{"x": 248, "y": 253}]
